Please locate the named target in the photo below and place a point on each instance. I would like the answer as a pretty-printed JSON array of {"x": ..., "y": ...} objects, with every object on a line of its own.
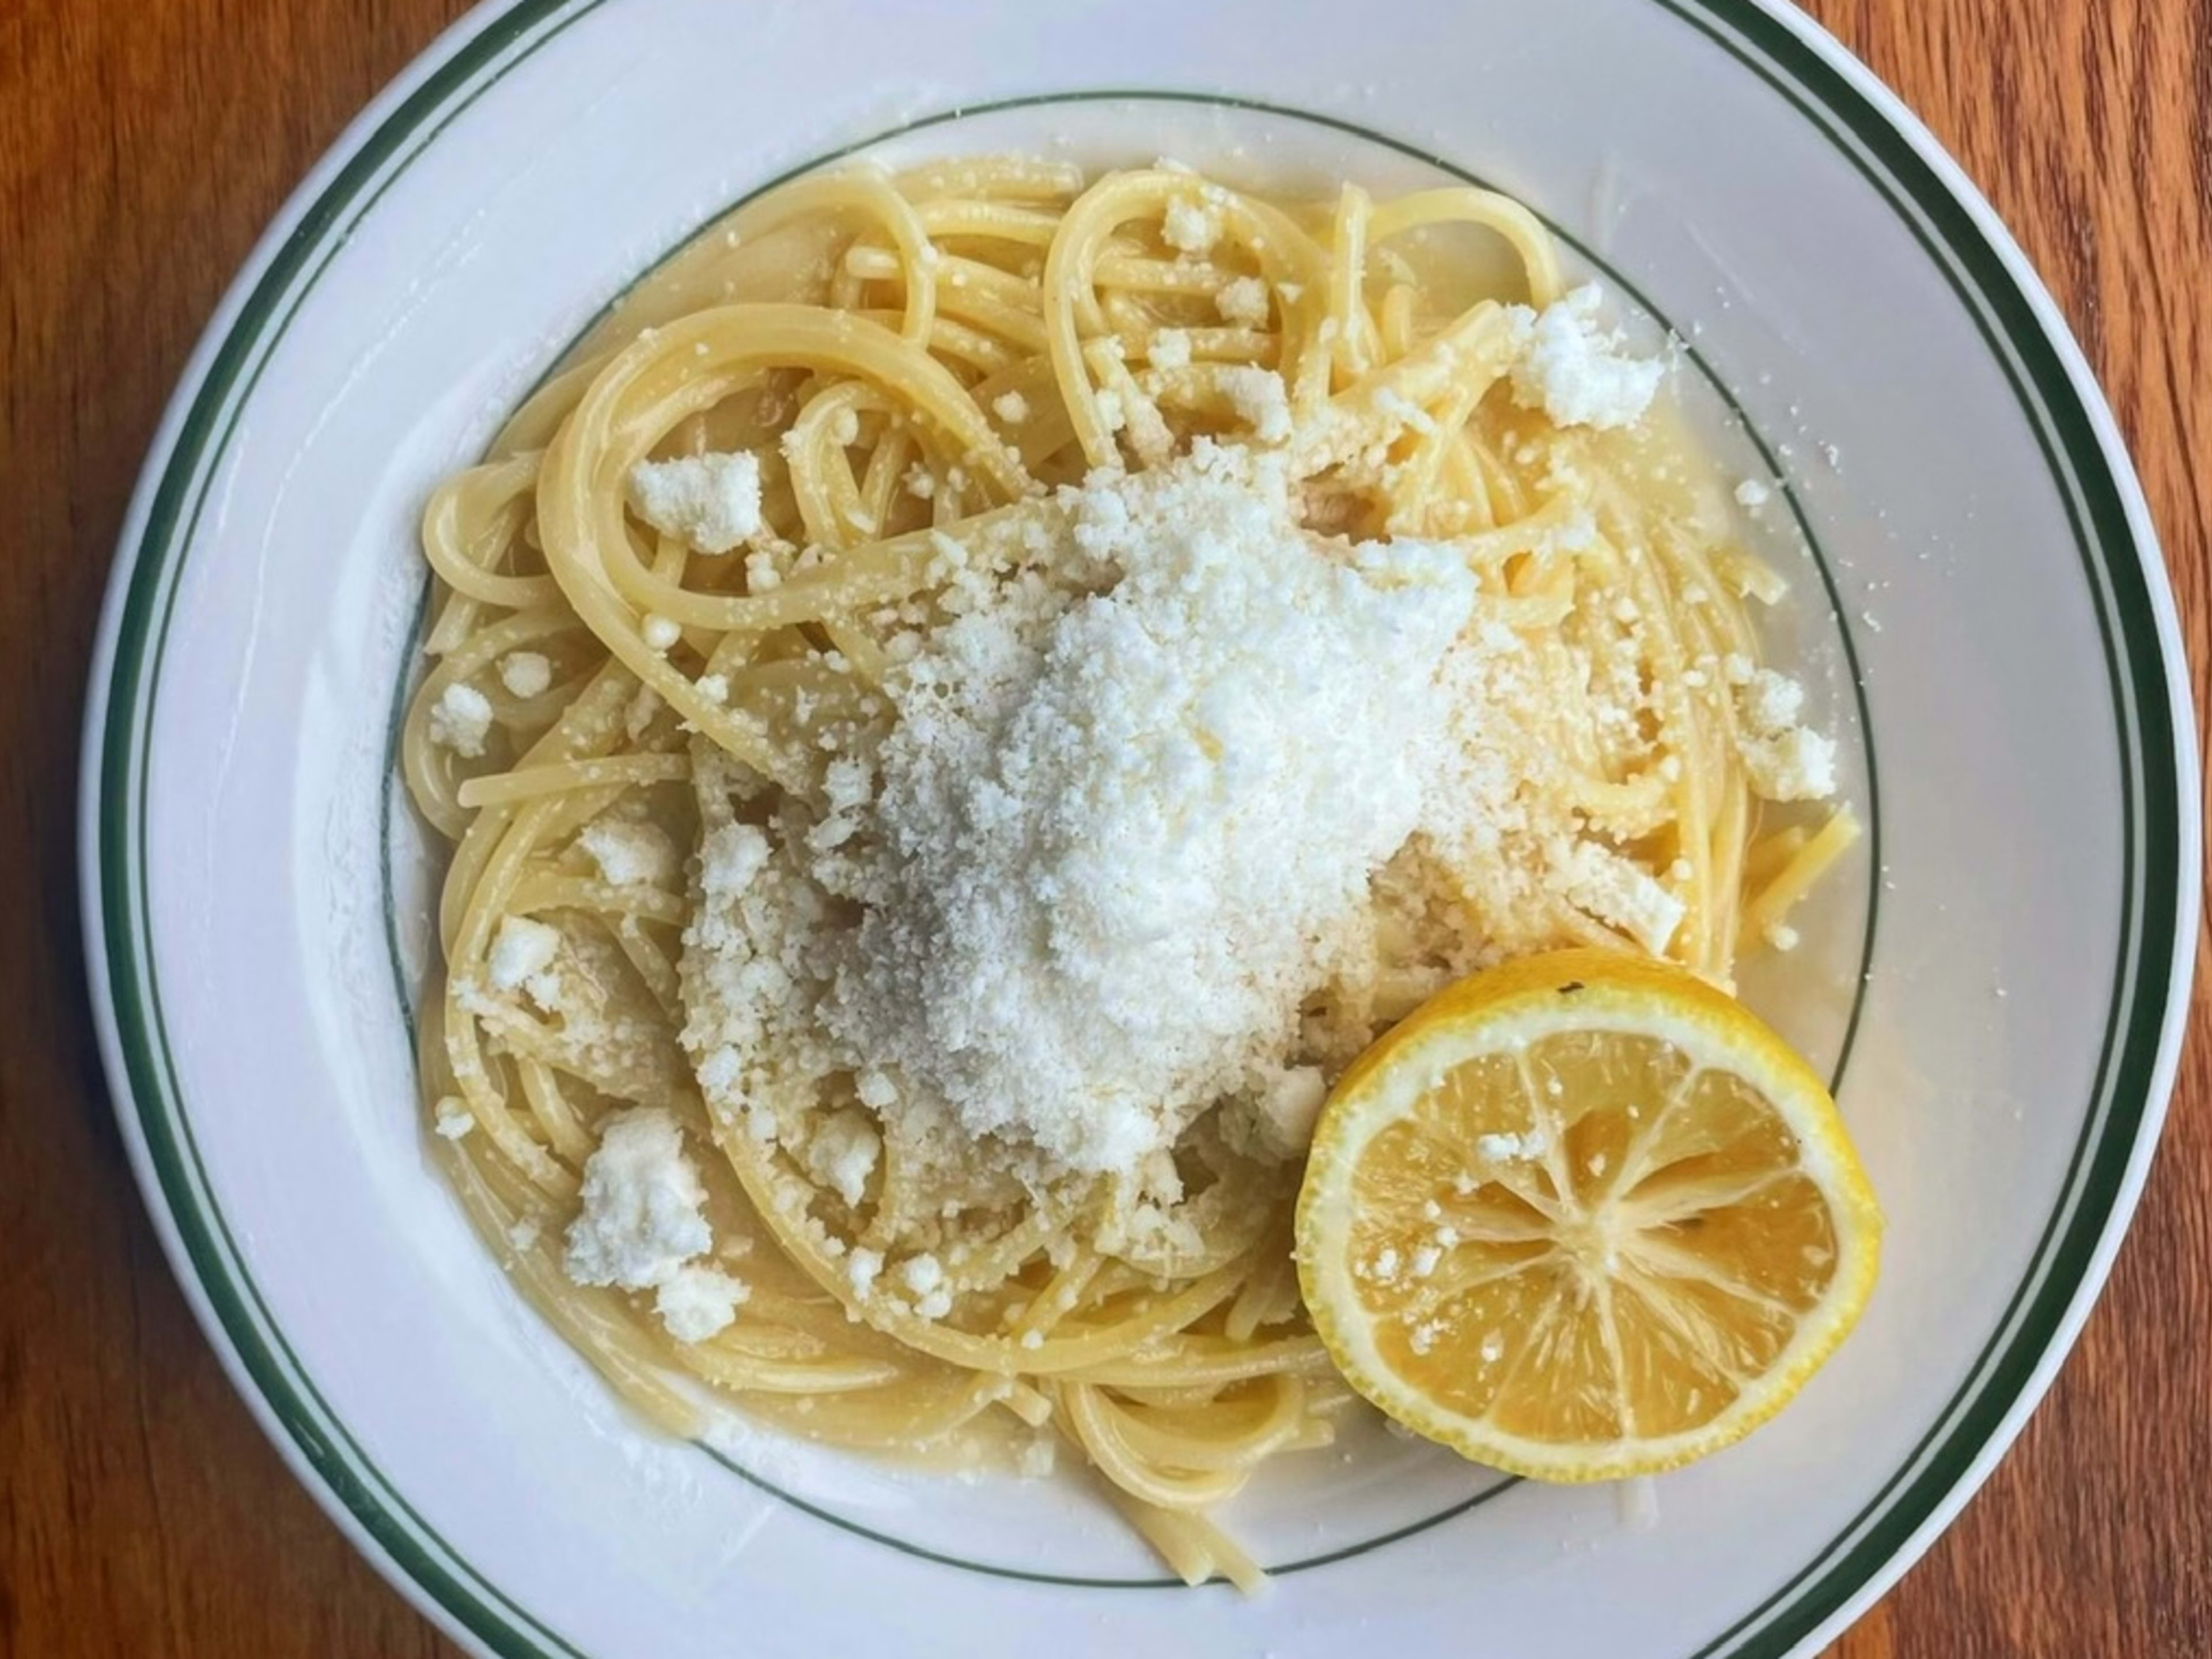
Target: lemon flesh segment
[{"x": 1584, "y": 1217}]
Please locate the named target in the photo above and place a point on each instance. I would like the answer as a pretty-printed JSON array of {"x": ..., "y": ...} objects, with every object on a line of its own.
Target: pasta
[{"x": 928, "y": 356}]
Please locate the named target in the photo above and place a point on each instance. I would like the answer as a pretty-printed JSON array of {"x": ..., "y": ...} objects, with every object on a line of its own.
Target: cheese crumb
[
  {"x": 525, "y": 673},
  {"x": 1754, "y": 494},
  {"x": 729, "y": 857},
  {"x": 1572, "y": 368},
  {"x": 631, "y": 854},
  {"x": 1011, "y": 407},
  {"x": 1090, "y": 915},
  {"x": 461, "y": 720},
  {"x": 1190, "y": 227},
  {"x": 642, "y": 1216},
  {"x": 861, "y": 1269},
  {"x": 521, "y": 951},
  {"x": 1260, "y": 400},
  {"x": 1507, "y": 1148},
  {"x": 1244, "y": 300},
  {"x": 921, "y": 1274},
  {"x": 1169, "y": 348},
  {"x": 1798, "y": 764},
  {"x": 843, "y": 1153},
  {"x": 696, "y": 1302},
  {"x": 1621, "y": 895},
  {"x": 658, "y": 633},
  {"x": 712, "y": 501},
  {"x": 1786, "y": 761},
  {"x": 1769, "y": 702}
]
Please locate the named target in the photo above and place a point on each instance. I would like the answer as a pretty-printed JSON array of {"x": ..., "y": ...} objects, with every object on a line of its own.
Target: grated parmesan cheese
[
  {"x": 730, "y": 858},
  {"x": 631, "y": 854},
  {"x": 1768, "y": 702},
  {"x": 843, "y": 1154},
  {"x": 1189, "y": 226},
  {"x": 862, "y": 1268},
  {"x": 1170, "y": 348},
  {"x": 1243, "y": 301},
  {"x": 641, "y": 1219},
  {"x": 1619, "y": 893},
  {"x": 921, "y": 1274},
  {"x": 1786, "y": 761},
  {"x": 696, "y": 1303},
  {"x": 525, "y": 673},
  {"x": 762, "y": 573},
  {"x": 1260, "y": 400},
  {"x": 1573, "y": 370},
  {"x": 461, "y": 720},
  {"x": 1505, "y": 1148},
  {"x": 521, "y": 952},
  {"x": 712, "y": 501}
]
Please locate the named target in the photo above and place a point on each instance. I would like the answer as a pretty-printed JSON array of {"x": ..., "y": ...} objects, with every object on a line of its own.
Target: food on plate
[{"x": 971, "y": 700}]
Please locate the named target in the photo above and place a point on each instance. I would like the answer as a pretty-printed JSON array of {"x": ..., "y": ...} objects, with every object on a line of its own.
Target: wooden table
[{"x": 142, "y": 148}]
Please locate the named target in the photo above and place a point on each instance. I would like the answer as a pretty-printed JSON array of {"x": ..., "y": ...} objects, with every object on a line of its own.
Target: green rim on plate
[{"x": 2116, "y": 563}]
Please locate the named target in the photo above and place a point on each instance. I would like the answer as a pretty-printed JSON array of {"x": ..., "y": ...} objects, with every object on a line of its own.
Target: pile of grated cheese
[{"x": 1112, "y": 850}]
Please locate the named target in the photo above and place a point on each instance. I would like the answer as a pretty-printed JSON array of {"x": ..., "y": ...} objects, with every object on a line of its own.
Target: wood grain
[{"x": 142, "y": 148}]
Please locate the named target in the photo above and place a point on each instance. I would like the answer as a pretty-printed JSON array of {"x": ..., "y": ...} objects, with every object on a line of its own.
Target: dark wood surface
[{"x": 143, "y": 145}]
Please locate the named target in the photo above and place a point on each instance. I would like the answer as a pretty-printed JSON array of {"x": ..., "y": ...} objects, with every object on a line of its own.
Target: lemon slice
[{"x": 1584, "y": 1217}]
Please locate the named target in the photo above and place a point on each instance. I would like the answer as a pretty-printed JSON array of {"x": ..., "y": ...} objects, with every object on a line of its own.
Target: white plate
[{"x": 1980, "y": 584}]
